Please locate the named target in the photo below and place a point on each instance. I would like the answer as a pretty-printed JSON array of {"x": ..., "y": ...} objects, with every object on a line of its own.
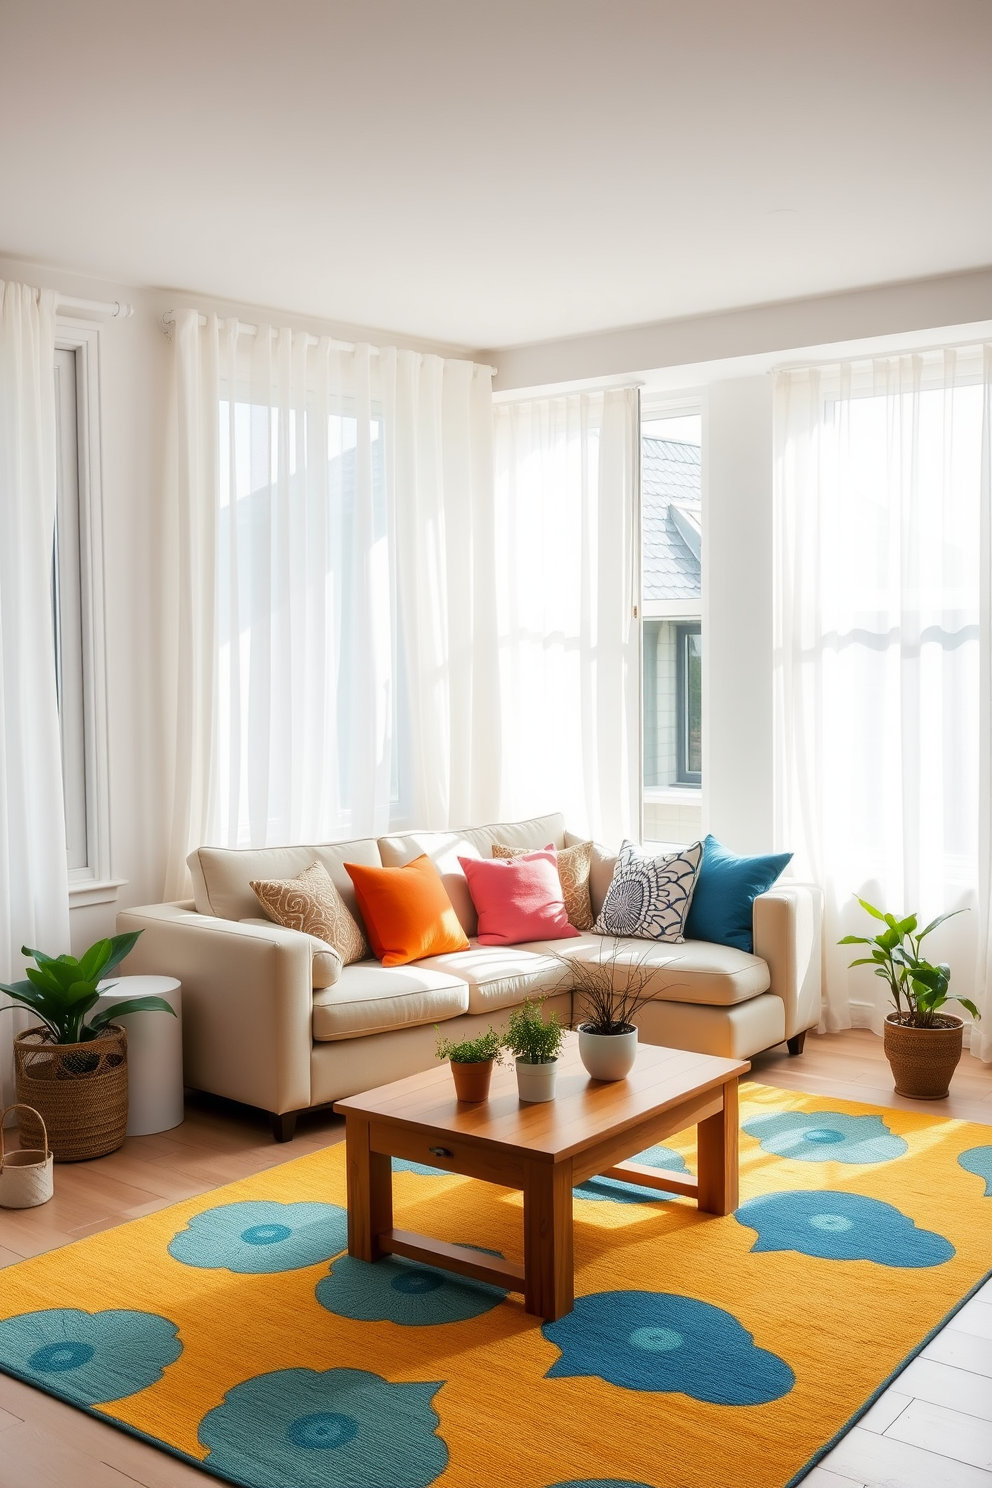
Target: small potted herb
[
  {"x": 610, "y": 991},
  {"x": 471, "y": 1062},
  {"x": 536, "y": 1045},
  {"x": 922, "y": 1043}
]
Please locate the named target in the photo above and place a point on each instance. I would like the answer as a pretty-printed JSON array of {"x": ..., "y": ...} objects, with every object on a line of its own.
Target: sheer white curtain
[
  {"x": 34, "y": 888},
  {"x": 882, "y": 643},
  {"x": 338, "y": 663},
  {"x": 566, "y": 512}
]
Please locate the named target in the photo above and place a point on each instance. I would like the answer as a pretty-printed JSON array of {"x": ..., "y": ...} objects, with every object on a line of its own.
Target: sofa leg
[
  {"x": 283, "y": 1125},
  {"x": 795, "y": 1045}
]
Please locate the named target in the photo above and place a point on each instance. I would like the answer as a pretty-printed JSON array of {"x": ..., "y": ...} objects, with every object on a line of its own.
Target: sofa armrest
[
  {"x": 786, "y": 925},
  {"x": 247, "y": 1001}
]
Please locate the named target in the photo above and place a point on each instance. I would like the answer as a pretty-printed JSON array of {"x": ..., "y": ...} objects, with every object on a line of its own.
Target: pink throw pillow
[{"x": 518, "y": 899}]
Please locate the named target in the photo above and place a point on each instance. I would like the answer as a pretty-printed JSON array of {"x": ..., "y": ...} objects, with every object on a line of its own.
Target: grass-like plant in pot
[
  {"x": 536, "y": 1045},
  {"x": 922, "y": 1042},
  {"x": 471, "y": 1062},
  {"x": 610, "y": 991},
  {"x": 73, "y": 1071}
]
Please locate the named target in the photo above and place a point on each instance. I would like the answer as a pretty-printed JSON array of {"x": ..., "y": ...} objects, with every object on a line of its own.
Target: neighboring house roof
[{"x": 671, "y": 508}]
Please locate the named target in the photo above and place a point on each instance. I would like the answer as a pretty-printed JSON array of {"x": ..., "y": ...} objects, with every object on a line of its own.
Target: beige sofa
[{"x": 271, "y": 1020}]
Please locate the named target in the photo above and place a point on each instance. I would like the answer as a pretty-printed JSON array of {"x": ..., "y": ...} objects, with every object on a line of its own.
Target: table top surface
[{"x": 583, "y": 1112}]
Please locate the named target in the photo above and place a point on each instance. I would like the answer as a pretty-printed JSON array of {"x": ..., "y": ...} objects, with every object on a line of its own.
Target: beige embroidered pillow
[
  {"x": 311, "y": 903},
  {"x": 574, "y": 864}
]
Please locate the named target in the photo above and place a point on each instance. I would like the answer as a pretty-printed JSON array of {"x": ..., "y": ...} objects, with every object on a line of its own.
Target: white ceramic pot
[
  {"x": 608, "y": 1056},
  {"x": 536, "y": 1082}
]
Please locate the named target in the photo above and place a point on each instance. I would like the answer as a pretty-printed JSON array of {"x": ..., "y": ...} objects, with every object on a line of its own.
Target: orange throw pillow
[{"x": 406, "y": 911}]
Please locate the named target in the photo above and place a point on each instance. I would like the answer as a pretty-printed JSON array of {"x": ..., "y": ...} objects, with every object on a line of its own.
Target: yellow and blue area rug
[{"x": 233, "y": 1330}]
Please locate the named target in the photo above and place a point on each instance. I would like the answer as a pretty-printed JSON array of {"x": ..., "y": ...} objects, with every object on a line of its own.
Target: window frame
[
  {"x": 93, "y": 882},
  {"x": 684, "y": 632}
]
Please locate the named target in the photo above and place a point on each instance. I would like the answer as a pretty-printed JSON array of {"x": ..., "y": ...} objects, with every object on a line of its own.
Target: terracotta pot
[
  {"x": 472, "y": 1080},
  {"x": 923, "y": 1059},
  {"x": 607, "y": 1056},
  {"x": 536, "y": 1082}
]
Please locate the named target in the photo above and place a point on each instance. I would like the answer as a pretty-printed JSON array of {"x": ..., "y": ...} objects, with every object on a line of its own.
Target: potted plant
[
  {"x": 75, "y": 1073},
  {"x": 536, "y": 1045},
  {"x": 610, "y": 992},
  {"x": 922, "y": 1043},
  {"x": 471, "y": 1062}
]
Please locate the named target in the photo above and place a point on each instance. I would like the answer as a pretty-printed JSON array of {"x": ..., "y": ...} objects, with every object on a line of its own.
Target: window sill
[
  {"x": 88, "y": 891},
  {"x": 673, "y": 795}
]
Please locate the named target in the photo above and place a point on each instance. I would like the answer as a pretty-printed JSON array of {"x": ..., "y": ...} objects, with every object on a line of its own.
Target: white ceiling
[{"x": 493, "y": 172}]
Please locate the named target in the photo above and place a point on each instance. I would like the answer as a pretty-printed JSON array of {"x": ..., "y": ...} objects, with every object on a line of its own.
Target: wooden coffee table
[{"x": 545, "y": 1150}]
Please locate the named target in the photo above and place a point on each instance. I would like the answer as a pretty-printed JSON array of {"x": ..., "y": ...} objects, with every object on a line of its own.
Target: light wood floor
[{"x": 933, "y": 1430}]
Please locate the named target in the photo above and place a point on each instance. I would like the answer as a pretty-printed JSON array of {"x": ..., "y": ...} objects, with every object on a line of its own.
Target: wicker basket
[
  {"x": 80, "y": 1090},
  {"x": 26, "y": 1178},
  {"x": 923, "y": 1059}
]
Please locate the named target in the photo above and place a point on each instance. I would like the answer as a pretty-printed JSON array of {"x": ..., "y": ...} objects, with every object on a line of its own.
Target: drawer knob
[{"x": 440, "y": 1151}]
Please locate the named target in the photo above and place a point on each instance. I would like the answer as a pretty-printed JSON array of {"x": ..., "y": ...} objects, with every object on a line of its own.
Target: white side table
[{"x": 154, "y": 1053}]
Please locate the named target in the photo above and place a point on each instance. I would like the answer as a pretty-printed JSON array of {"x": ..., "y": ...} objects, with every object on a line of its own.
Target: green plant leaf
[
  {"x": 855, "y": 940},
  {"x": 875, "y": 913},
  {"x": 121, "y": 946},
  {"x": 131, "y": 1005},
  {"x": 908, "y": 925},
  {"x": 92, "y": 962},
  {"x": 940, "y": 920},
  {"x": 966, "y": 1002},
  {"x": 862, "y": 961}
]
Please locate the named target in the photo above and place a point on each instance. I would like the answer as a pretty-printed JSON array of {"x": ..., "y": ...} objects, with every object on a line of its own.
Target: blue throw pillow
[{"x": 727, "y": 886}]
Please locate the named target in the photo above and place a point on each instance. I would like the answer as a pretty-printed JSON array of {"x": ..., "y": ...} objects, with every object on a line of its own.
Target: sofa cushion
[
  {"x": 326, "y": 965},
  {"x": 573, "y": 864},
  {"x": 722, "y": 908},
  {"x": 222, "y": 875},
  {"x": 502, "y": 976},
  {"x": 369, "y": 998},
  {"x": 518, "y": 898},
  {"x": 407, "y": 913},
  {"x": 695, "y": 971},
  {"x": 310, "y": 902},
  {"x": 650, "y": 895},
  {"x": 444, "y": 849}
]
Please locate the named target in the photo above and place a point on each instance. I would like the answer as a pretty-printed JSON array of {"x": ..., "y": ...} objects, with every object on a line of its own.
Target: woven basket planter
[
  {"x": 80, "y": 1090},
  {"x": 923, "y": 1060}
]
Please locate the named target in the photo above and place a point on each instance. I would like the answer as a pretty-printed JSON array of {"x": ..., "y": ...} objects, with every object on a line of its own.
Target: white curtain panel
[
  {"x": 882, "y": 657},
  {"x": 566, "y": 519},
  {"x": 34, "y": 888},
  {"x": 338, "y": 666}
]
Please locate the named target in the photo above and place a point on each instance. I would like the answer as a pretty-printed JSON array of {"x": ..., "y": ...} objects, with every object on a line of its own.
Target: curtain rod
[
  {"x": 115, "y": 309},
  {"x": 168, "y": 320}
]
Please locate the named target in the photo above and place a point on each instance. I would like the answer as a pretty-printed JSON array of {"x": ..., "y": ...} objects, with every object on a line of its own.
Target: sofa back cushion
[
  {"x": 222, "y": 875},
  {"x": 445, "y": 848}
]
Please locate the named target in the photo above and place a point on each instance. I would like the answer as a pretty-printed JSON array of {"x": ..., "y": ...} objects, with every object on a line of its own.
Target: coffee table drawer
[{"x": 453, "y": 1154}]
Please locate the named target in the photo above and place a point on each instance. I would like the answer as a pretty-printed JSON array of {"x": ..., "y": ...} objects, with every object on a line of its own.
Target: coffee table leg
[
  {"x": 716, "y": 1146},
  {"x": 370, "y": 1192},
  {"x": 549, "y": 1280}
]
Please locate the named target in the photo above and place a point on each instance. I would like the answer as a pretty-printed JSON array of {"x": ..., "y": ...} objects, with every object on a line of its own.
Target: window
[
  {"x": 671, "y": 511},
  {"x": 77, "y": 590}
]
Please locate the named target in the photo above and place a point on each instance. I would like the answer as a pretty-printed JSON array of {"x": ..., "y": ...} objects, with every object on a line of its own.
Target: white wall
[{"x": 737, "y": 613}]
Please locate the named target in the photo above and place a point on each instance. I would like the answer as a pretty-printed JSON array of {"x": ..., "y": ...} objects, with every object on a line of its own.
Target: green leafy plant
[
  {"x": 530, "y": 1038},
  {"x": 470, "y": 1051},
  {"x": 60, "y": 990},
  {"x": 919, "y": 987}
]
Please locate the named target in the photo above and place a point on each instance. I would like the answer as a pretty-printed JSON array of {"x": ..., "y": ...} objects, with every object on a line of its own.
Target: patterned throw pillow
[
  {"x": 574, "y": 864},
  {"x": 650, "y": 897},
  {"x": 310, "y": 902}
]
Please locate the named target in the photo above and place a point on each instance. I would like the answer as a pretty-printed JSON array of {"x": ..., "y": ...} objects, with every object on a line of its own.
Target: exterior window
[{"x": 671, "y": 639}]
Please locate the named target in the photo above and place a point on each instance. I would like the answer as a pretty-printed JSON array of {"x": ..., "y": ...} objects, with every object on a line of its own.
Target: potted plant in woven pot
[
  {"x": 471, "y": 1062},
  {"x": 922, "y": 1042},
  {"x": 75, "y": 1073},
  {"x": 536, "y": 1045},
  {"x": 609, "y": 992}
]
